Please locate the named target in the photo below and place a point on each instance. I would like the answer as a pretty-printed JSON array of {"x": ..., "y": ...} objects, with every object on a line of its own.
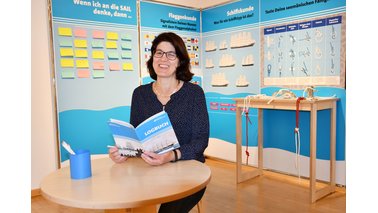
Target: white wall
[{"x": 43, "y": 134}]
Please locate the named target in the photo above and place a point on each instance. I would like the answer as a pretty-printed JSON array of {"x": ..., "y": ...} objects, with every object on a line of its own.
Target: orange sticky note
[
  {"x": 98, "y": 34},
  {"x": 98, "y": 65},
  {"x": 78, "y": 32},
  {"x": 114, "y": 66},
  {"x": 83, "y": 74}
]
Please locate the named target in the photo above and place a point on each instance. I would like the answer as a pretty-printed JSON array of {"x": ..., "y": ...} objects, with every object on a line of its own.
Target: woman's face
[{"x": 165, "y": 60}]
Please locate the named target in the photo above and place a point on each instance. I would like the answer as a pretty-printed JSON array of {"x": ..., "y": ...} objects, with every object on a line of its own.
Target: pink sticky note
[
  {"x": 98, "y": 34},
  {"x": 83, "y": 74},
  {"x": 114, "y": 66},
  {"x": 98, "y": 65},
  {"x": 78, "y": 32}
]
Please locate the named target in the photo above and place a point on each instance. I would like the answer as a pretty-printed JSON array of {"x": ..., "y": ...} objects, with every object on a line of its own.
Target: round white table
[{"x": 133, "y": 185}]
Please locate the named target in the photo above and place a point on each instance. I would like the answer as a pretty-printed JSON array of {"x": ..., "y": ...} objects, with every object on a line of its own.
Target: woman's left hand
[{"x": 155, "y": 159}]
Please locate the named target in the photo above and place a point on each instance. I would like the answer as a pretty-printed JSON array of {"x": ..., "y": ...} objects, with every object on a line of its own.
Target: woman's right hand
[{"x": 115, "y": 156}]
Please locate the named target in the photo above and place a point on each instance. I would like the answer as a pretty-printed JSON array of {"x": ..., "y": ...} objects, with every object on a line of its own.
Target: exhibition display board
[{"x": 236, "y": 49}]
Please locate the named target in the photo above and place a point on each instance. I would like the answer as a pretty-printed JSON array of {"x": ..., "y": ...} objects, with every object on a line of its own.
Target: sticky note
[
  {"x": 112, "y": 55},
  {"x": 64, "y": 31},
  {"x": 83, "y": 74},
  {"x": 126, "y": 54},
  {"x": 78, "y": 32},
  {"x": 97, "y": 44},
  {"x": 128, "y": 66},
  {"x": 98, "y": 34},
  {"x": 125, "y": 37},
  {"x": 98, "y": 74},
  {"x": 80, "y": 43},
  {"x": 80, "y": 63},
  {"x": 65, "y": 42},
  {"x": 114, "y": 66},
  {"x": 111, "y": 44},
  {"x": 126, "y": 45},
  {"x": 68, "y": 73},
  {"x": 81, "y": 53},
  {"x": 112, "y": 36},
  {"x": 98, "y": 54},
  {"x": 66, "y": 52},
  {"x": 98, "y": 65},
  {"x": 66, "y": 62}
]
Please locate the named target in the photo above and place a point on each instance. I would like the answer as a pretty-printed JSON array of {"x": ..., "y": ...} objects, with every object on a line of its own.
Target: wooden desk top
[
  {"x": 287, "y": 104},
  {"x": 127, "y": 185}
]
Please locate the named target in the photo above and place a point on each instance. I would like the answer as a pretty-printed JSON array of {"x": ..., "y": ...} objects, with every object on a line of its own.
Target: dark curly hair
[{"x": 183, "y": 70}]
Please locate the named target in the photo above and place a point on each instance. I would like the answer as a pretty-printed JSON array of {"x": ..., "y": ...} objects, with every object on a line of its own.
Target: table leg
[
  {"x": 260, "y": 137},
  {"x": 238, "y": 145},
  {"x": 333, "y": 146},
  {"x": 313, "y": 122},
  {"x": 142, "y": 209}
]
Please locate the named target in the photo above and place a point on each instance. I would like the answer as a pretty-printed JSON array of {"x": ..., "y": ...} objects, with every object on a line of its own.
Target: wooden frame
[{"x": 313, "y": 106}]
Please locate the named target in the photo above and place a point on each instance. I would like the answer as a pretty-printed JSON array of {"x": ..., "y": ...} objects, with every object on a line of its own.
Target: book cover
[{"x": 155, "y": 134}]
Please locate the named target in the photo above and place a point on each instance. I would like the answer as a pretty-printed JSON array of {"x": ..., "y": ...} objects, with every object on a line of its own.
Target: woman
[{"x": 184, "y": 103}]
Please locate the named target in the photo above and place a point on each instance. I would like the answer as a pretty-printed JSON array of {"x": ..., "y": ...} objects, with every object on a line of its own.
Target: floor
[{"x": 271, "y": 192}]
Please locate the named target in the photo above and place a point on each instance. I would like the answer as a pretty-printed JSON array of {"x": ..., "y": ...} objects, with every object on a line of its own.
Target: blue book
[{"x": 155, "y": 134}]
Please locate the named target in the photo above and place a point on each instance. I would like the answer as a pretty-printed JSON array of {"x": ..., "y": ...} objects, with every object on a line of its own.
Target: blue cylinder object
[{"x": 80, "y": 164}]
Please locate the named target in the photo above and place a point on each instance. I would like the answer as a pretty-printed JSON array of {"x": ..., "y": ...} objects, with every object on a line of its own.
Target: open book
[{"x": 155, "y": 134}]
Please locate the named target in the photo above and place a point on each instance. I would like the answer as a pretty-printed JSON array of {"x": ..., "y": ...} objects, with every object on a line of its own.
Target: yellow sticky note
[
  {"x": 81, "y": 63},
  {"x": 64, "y": 31},
  {"x": 66, "y": 52},
  {"x": 112, "y": 36},
  {"x": 127, "y": 66},
  {"x": 111, "y": 44},
  {"x": 81, "y": 53},
  {"x": 98, "y": 54},
  {"x": 66, "y": 62},
  {"x": 80, "y": 43}
]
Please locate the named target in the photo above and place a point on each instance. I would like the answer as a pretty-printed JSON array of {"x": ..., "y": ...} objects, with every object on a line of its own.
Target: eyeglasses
[{"x": 170, "y": 55}]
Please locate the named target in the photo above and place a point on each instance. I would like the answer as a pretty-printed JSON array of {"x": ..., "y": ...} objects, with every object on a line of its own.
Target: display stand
[{"x": 313, "y": 106}]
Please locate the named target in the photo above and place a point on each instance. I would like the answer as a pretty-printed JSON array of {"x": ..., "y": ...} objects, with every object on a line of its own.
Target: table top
[
  {"x": 131, "y": 184},
  {"x": 269, "y": 102}
]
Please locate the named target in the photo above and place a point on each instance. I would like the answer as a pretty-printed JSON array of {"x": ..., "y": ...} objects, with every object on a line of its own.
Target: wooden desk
[
  {"x": 133, "y": 186},
  {"x": 289, "y": 104}
]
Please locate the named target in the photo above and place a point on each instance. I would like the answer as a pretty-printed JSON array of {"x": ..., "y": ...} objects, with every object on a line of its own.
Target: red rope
[
  {"x": 247, "y": 120},
  {"x": 297, "y": 113}
]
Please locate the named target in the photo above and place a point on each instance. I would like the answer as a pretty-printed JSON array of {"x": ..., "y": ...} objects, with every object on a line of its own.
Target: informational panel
[
  {"x": 96, "y": 69},
  {"x": 303, "y": 44},
  {"x": 182, "y": 21},
  {"x": 303, "y": 50},
  {"x": 231, "y": 55}
]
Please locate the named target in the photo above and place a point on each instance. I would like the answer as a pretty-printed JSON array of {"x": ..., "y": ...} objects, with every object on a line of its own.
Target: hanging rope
[
  {"x": 297, "y": 137},
  {"x": 247, "y": 120}
]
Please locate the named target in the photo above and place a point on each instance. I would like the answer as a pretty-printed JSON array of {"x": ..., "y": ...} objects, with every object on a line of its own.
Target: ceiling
[{"x": 198, "y": 4}]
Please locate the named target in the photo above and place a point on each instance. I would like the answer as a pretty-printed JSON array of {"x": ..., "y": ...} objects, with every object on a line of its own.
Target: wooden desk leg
[
  {"x": 260, "y": 137},
  {"x": 143, "y": 209},
  {"x": 246, "y": 175},
  {"x": 238, "y": 145},
  {"x": 313, "y": 122},
  {"x": 333, "y": 147}
]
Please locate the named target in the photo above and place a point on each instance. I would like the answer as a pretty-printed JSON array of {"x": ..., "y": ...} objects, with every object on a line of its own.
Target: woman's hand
[
  {"x": 115, "y": 156},
  {"x": 155, "y": 159}
]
